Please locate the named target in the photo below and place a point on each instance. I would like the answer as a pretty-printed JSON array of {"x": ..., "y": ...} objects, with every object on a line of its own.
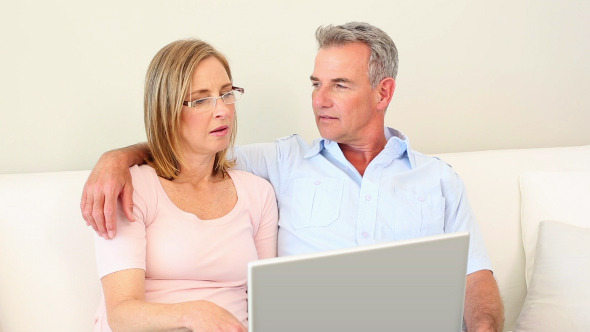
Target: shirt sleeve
[
  {"x": 259, "y": 159},
  {"x": 128, "y": 249},
  {"x": 459, "y": 217}
]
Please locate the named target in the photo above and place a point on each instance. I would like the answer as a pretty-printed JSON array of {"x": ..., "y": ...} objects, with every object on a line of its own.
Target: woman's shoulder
[
  {"x": 146, "y": 192},
  {"x": 144, "y": 179},
  {"x": 251, "y": 183},
  {"x": 142, "y": 173},
  {"x": 255, "y": 193}
]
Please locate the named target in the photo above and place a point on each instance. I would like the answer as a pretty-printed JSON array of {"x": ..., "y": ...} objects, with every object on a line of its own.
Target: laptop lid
[{"x": 411, "y": 285}]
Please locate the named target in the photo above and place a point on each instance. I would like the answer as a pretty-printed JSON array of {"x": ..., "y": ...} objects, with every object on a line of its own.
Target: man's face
[{"x": 344, "y": 104}]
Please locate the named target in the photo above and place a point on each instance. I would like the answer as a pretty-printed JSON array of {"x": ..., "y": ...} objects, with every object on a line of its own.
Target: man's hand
[
  {"x": 484, "y": 310},
  {"x": 110, "y": 179}
]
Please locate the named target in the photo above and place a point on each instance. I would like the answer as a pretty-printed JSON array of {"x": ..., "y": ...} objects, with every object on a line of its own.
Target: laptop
[{"x": 411, "y": 285}]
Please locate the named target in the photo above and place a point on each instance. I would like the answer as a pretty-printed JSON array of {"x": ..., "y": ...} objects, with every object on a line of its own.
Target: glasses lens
[
  {"x": 229, "y": 97},
  {"x": 203, "y": 104}
]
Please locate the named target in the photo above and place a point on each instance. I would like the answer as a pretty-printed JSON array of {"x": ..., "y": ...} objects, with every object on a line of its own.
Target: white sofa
[{"x": 47, "y": 271}]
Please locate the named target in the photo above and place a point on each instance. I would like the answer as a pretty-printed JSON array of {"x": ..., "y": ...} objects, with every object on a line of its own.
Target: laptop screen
[{"x": 410, "y": 285}]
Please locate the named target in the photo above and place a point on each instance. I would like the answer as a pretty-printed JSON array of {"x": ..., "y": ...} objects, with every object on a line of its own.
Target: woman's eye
[{"x": 200, "y": 101}]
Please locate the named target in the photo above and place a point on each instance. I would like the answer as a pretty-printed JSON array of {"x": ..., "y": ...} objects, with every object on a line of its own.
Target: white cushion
[
  {"x": 492, "y": 182},
  {"x": 559, "y": 293},
  {"x": 48, "y": 279},
  {"x": 562, "y": 196}
]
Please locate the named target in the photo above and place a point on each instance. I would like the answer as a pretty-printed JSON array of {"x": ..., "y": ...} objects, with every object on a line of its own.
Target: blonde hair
[{"x": 167, "y": 82}]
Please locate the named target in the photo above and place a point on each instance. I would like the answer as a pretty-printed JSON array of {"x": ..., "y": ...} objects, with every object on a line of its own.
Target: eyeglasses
[{"x": 205, "y": 104}]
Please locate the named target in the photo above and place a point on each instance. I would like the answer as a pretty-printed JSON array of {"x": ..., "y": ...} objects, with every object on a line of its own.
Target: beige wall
[{"x": 473, "y": 74}]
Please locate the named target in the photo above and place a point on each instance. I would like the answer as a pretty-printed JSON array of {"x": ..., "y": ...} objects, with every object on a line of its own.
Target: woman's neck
[{"x": 197, "y": 169}]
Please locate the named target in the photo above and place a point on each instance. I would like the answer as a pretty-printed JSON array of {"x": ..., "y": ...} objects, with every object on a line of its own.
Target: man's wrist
[{"x": 124, "y": 157}]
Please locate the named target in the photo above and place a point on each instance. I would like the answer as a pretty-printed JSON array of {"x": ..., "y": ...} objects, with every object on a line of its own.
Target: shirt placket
[{"x": 367, "y": 211}]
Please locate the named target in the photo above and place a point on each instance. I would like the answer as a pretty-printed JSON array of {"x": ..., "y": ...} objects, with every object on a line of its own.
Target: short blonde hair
[{"x": 166, "y": 84}]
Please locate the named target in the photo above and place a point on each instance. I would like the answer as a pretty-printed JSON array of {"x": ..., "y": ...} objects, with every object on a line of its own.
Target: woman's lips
[{"x": 220, "y": 131}]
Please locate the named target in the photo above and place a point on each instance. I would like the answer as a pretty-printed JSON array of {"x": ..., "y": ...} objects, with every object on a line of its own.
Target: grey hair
[{"x": 383, "y": 61}]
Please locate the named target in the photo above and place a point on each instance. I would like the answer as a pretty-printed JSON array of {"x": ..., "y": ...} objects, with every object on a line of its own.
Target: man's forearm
[
  {"x": 484, "y": 310},
  {"x": 128, "y": 156}
]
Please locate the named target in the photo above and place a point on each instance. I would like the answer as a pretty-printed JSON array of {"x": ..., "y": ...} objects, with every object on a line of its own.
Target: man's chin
[{"x": 326, "y": 134}]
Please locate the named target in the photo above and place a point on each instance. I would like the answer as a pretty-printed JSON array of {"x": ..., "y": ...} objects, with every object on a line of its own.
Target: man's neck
[{"x": 360, "y": 156}]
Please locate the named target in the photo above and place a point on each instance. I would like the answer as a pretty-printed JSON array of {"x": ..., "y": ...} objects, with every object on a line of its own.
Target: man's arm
[
  {"x": 483, "y": 306},
  {"x": 109, "y": 179}
]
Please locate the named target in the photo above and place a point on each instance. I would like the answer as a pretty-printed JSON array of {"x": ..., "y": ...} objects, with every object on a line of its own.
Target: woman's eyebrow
[{"x": 204, "y": 91}]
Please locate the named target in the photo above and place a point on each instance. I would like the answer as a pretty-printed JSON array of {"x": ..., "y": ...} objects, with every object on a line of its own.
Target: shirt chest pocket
[
  {"x": 316, "y": 201},
  {"x": 416, "y": 215}
]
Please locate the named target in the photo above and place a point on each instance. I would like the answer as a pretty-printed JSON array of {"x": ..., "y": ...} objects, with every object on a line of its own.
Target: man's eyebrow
[
  {"x": 342, "y": 80},
  {"x": 334, "y": 80}
]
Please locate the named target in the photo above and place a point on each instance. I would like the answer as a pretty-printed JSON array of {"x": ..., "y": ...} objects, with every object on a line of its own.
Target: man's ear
[{"x": 385, "y": 92}]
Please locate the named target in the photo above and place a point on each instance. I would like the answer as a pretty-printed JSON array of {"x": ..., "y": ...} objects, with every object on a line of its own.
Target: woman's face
[{"x": 206, "y": 132}]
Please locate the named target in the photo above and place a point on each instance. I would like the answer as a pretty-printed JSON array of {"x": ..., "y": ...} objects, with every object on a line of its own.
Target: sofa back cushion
[
  {"x": 48, "y": 278},
  {"x": 559, "y": 293},
  {"x": 492, "y": 182}
]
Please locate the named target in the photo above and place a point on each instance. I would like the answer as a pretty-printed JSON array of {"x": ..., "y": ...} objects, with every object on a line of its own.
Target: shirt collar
[{"x": 397, "y": 145}]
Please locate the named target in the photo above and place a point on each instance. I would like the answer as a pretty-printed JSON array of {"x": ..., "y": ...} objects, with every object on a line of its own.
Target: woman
[{"x": 183, "y": 263}]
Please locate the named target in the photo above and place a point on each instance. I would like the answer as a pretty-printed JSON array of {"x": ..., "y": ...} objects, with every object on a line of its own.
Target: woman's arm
[
  {"x": 265, "y": 237},
  {"x": 127, "y": 310}
]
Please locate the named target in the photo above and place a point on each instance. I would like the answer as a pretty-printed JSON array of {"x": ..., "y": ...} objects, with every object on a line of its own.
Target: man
[{"x": 359, "y": 184}]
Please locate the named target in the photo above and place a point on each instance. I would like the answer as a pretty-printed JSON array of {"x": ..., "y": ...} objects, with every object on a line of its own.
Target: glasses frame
[{"x": 233, "y": 88}]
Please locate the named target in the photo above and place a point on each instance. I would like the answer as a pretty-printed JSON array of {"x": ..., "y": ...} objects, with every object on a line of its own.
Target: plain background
[{"x": 473, "y": 75}]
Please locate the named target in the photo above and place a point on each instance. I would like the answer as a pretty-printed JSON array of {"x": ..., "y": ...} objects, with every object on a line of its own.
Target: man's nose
[{"x": 320, "y": 98}]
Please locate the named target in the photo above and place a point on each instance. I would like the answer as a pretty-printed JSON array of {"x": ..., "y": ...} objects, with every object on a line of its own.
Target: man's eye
[
  {"x": 315, "y": 85},
  {"x": 340, "y": 86}
]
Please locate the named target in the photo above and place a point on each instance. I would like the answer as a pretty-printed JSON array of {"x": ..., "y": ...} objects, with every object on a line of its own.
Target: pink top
[{"x": 186, "y": 258}]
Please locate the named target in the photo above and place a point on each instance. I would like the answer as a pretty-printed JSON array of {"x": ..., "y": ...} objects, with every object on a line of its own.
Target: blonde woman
[{"x": 182, "y": 263}]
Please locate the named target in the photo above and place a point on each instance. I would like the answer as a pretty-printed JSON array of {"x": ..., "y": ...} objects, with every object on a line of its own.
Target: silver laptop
[{"x": 412, "y": 285}]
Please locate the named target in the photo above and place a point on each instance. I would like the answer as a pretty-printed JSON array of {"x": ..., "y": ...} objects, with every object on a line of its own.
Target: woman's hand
[
  {"x": 208, "y": 317},
  {"x": 127, "y": 310}
]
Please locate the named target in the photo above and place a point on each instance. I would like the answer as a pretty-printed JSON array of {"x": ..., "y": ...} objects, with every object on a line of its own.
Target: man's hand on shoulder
[{"x": 110, "y": 178}]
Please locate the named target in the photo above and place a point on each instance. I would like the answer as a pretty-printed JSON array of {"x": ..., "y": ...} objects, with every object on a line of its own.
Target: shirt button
[
  {"x": 368, "y": 197},
  {"x": 365, "y": 235},
  {"x": 317, "y": 182}
]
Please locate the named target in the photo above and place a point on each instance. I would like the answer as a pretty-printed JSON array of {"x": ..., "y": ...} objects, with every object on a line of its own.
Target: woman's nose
[{"x": 221, "y": 109}]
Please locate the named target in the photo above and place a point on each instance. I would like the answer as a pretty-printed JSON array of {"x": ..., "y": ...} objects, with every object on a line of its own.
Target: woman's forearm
[{"x": 136, "y": 315}]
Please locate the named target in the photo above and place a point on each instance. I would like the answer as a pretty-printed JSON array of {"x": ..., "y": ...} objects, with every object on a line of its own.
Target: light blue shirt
[{"x": 324, "y": 203}]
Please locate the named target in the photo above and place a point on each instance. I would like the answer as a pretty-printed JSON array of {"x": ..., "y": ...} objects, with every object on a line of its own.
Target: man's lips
[
  {"x": 326, "y": 117},
  {"x": 220, "y": 131}
]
